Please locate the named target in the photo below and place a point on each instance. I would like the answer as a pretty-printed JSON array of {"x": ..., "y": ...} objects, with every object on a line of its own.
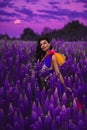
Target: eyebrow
[{"x": 43, "y": 42}]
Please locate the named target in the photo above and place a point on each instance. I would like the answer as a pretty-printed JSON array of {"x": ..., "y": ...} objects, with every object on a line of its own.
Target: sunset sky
[{"x": 15, "y": 15}]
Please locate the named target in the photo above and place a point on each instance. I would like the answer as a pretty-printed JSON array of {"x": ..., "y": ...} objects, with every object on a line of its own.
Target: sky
[{"x": 15, "y": 15}]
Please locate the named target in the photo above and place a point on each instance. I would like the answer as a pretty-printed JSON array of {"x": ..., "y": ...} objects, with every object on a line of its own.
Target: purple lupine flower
[
  {"x": 46, "y": 105},
  {"x": 21, "y": 122},
  {"x": 64, "y": 98},
  {"x": 52, "y": 110},
  {"x": 2, "y": 93},
  {"x": 57, "y": 110},
  {"x": 34, "y": 116},
  {"x": 39, "y": 109},
  {"x": 56, "y": 97},
  {"x": 37, "y": 93},
  {"x": 58, "y": 122},
  {"x": 16, "y": 125},
  {"x": 18, "y": 85},
  {"x": 29, "y": 92},
  {"x": 2, "y": 119},
  {"x": 69, "y": 113},
  {"x": 15, "y": 116},
  {"x": 9, "y": 127},
  {"x": 27, "y": 107},
  {"x": 34, "y": 107},
  {"x": 75, "y": 112},
  {"x": 64, "y": 118},
  {"x": 48, "y": 122},
  {"x": 81, "y": 125},
  {"x": 38, "y": 124},
  {"x": 52, "y": 100},
  {"x": 18, "y": 88},
  {"x": 72, "y": 126},
  {"x": 11, "y": 114}
]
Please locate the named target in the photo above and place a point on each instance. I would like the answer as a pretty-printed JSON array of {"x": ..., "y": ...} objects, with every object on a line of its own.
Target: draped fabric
[{"x": 45, "y": 72}]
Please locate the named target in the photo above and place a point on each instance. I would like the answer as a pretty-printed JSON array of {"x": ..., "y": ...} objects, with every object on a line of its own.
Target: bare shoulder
[
  {"x": 55, "y": 64},
  {"x": 53, "y": 58}
]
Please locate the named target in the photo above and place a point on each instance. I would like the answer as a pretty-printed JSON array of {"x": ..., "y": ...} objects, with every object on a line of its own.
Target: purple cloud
[
  {"x": 32, "y": 1},
  {"x": 26, "y": 11},
  {"x": 83, "y": 1},
  {"x": 4, "y": 13},
  {"x": 5, "y": 20},
  {"x": 38, "y": 13},
  {"x": 54, "y": 2},
  {"x": 5, "y": 3},
  {"x": 64, "y": 12}
]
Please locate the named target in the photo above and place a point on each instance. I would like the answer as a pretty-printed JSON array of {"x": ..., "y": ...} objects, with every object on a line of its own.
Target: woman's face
[{"x": 45, "y": 45}]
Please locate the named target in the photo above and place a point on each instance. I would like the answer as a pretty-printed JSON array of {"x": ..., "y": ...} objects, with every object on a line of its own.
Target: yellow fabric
[{"x": 60, "y": 58}]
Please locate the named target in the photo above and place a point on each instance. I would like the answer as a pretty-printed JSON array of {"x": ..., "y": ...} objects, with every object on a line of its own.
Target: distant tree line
[{"x": 72, "y": 31}]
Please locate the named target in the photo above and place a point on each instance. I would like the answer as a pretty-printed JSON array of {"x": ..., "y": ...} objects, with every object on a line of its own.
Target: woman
[{"x": 46, "y": 57}]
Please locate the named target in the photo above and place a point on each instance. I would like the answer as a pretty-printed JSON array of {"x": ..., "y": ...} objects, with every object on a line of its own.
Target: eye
[{"x": 44, "y": 43}]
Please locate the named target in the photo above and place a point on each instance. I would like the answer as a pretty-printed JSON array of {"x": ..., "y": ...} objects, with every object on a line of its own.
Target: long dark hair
[{"x": 39, "y": 52}]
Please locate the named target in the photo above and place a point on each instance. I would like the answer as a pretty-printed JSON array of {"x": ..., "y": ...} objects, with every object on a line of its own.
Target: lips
[{"x": 43, "y": 48}]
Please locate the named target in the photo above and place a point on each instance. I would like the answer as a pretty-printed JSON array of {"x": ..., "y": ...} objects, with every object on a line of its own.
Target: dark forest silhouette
[{"x": 72, "y": 31}]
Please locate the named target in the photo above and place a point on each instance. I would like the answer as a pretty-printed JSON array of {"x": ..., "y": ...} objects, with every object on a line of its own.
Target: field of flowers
[{"x": 24, "y": 107}]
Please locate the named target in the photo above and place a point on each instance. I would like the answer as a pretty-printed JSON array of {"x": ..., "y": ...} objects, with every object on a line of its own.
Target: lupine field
[{"x": 24, "y": 107}]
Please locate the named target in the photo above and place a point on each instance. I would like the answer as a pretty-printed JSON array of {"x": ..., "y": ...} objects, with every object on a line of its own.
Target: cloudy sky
[{"x": 15, "y": 15}]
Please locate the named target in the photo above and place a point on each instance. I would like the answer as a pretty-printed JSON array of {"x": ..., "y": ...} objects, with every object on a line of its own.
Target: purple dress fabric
[{"x": 45, "y": 72}]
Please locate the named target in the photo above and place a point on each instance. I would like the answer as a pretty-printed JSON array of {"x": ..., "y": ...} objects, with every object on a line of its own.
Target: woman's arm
[{"x": 56, "y": 69}]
